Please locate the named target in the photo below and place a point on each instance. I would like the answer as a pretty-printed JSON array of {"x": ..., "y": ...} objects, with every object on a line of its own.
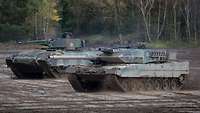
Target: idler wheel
[
  {"x": 158, "y": 84},
  {"x": 166, "y": 84},
  {"x": 176, "y": 84}
]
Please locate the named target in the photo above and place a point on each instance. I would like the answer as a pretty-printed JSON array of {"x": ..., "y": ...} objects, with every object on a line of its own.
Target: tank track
[
  {"x": 143, "y": 84},
  {"x": 116, "y": 83},
  {"x": 25, "y": 71}
]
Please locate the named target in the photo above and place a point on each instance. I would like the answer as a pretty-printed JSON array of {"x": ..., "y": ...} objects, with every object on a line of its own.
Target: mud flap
[
  {"x": 82, "y": 84},
  {"x": 75, "y": 83},
  {"x": 48, "y": 72}
]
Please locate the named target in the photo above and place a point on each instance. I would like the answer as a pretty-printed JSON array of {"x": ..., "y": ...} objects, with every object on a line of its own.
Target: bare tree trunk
[
  {"x": 186, "y": 15},
  {"x": 175, "y": 21},
  {"x": 146, "y": 26},
  {"x": 48, "y": 19},
  {"x": 158, "y": 19},
  {"x": 43, "y": 25},
  {"x": 188, "y": 24},
  {"x": 118, "y": 20},
  {"x": 47, "y": 24},
  {"x": 187, "y": 18},
  {"x": 195, "y": 24},
  {"x": 160, "y": 30},
  {"x": 145, "y": 7},
  {"x": 77, "y": 13},
  {"x": 35, "y": 25},
  {"x": 195, "y": 31}
]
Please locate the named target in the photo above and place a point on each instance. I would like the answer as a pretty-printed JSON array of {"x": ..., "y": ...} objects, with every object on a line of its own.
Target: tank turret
[{"x": 66, "y": 42}]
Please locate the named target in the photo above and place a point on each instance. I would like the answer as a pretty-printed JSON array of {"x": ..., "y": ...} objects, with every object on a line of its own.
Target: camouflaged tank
[
  {"x": 25, "y": 64},
  {"x": 121, "y": 69}
]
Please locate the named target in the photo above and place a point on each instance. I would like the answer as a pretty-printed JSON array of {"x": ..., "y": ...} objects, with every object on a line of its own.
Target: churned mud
[{"x": 57, "y": 96}]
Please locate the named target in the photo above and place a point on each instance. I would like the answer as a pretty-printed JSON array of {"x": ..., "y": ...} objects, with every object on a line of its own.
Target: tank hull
[{"x": 131, "y": 77}]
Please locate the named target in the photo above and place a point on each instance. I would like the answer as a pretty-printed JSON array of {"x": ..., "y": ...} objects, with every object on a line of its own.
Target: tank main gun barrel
[
  {"x": 72, "y": 57},
  {"x": 37, "y": 42}
]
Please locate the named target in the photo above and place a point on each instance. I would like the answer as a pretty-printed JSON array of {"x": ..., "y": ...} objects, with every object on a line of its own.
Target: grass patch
[
  {"x": 104, "y": 40},
  {"x": 173, "y": 44},
  {"x": 99, "y": 39}
]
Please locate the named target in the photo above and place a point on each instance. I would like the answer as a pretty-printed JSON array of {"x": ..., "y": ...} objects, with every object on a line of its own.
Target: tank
[
  {"x": 24, "y": 64},
  {"x": 119, "y": 69},
  {"x": 97, "y": 69}
]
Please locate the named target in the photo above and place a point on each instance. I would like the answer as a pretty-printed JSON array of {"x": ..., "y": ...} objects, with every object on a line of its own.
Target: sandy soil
[
  {"x": 57, "y": 96},
  {"x": 193, "y": 56}
]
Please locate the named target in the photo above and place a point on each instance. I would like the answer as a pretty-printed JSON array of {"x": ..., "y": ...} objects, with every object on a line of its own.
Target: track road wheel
[
  {"x": 158, "y": 84},
  {"x": 175, "y": 84},
  {"x": 126, "y": 84},
  {"x": 148, "y": 84},
  {"x": 166, "y": 84}
]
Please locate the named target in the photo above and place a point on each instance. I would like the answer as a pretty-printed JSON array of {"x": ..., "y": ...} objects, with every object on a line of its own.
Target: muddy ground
[{"x": 57, "y": 96}]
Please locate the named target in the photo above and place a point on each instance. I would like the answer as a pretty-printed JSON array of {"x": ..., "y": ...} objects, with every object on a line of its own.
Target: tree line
[
  {"x": 147, "y": 20},
  {"x": 20, "y": 19}
]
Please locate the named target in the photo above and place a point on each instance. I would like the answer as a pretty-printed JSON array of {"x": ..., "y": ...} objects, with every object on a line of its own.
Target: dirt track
[
  {"x": 56, "y": 95},
  {"x": 193, "y": 56}
]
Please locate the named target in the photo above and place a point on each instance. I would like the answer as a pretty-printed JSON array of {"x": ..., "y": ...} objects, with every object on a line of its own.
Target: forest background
[{"x": 162, "y": 23}]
